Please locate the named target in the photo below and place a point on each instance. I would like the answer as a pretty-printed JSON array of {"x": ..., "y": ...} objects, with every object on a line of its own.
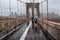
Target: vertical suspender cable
[
  {"x": 42, "y": 11},
  {"x": 17, "y": 7},
  {"x": 56, "y": 12},
  {"x": 17, "y": 11},
  {"x": 47, "y": 13},
  {"x": 0, "y": 6},
  {"x": 21, "y": 10},
  {"x": 21, "y": 6},
  {"x": 10, "y": 12},
  {"x": 4, "y": 6},
  {"x": 30, "y": 1},
  {"x": 47, "y": 19},
  {"x": 47, "y": 10},
  {"x": 10, "y": 7},
  {"x": 39, "y": 7}
]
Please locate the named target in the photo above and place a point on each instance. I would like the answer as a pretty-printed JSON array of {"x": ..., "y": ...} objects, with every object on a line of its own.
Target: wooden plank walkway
[{"x": 35, "y": 35}]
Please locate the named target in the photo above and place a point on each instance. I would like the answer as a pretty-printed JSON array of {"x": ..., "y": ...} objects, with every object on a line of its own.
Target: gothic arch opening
[
  {"x": 35, "y": 12},
  {"x": 30, "y": 12}
]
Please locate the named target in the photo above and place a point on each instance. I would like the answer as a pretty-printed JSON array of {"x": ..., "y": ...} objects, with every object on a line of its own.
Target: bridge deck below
[{"x": 35, "y": 35}]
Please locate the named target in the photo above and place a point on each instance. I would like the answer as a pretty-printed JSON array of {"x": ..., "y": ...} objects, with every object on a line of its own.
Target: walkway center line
[{"x": 26, "y": 31}]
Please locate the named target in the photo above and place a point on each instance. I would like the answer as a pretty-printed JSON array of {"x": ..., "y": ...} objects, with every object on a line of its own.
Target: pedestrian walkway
[{"x": 35, "y": 35}]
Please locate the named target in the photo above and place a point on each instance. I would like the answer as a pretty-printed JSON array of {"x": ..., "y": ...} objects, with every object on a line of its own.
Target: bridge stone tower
[{"x": 32, "y": 5}]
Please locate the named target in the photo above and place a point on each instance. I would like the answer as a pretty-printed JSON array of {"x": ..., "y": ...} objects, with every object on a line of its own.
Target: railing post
[
  {"x": 3, "y": 24},
  {"x": 57, "y": 34}
]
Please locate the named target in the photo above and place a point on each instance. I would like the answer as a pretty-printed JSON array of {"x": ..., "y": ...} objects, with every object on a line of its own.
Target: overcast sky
[{"x": 54, "y": 5}]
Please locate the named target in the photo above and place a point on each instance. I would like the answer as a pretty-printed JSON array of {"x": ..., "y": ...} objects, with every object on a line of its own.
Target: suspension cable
[
  {"x": 3, "y": 4},
  {"x": 21, "y": 11},
  {"x": 30, "y": 1},
  {"x": 21, "y": 7},
  {"x": 42, "y": 2},
  {"x": 17, "y": 7},
  {"x": 17, "y": 10},
  {"x": 21, "y": 1},
  {"x": 10, "y": 11},
  {"x": 47, "y": 6},
  {"x": 7, "y": 7},
  {"x": 47, "y": 10},
  {"x": 42, "y": 9},
  {"x": 10, "y": 7},
  {"x": 47, "y": 14},
  {"x": 56, "y": 12},
  {"x": 0, "y": 6}
]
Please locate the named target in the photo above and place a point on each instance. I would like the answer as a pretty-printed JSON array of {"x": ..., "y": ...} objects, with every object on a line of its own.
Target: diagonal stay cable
[{"x": 21, "y": 1}]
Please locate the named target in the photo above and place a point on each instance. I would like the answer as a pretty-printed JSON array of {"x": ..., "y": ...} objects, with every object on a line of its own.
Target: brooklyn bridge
[{"x": 29, "y": 20}]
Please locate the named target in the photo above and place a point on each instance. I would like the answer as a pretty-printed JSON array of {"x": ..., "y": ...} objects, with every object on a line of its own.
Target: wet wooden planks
[{"x": 35, "y": 35}]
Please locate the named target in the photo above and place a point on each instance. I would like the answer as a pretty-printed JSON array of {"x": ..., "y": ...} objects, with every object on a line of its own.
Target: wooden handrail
[{"x": 50, "y": 23}]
